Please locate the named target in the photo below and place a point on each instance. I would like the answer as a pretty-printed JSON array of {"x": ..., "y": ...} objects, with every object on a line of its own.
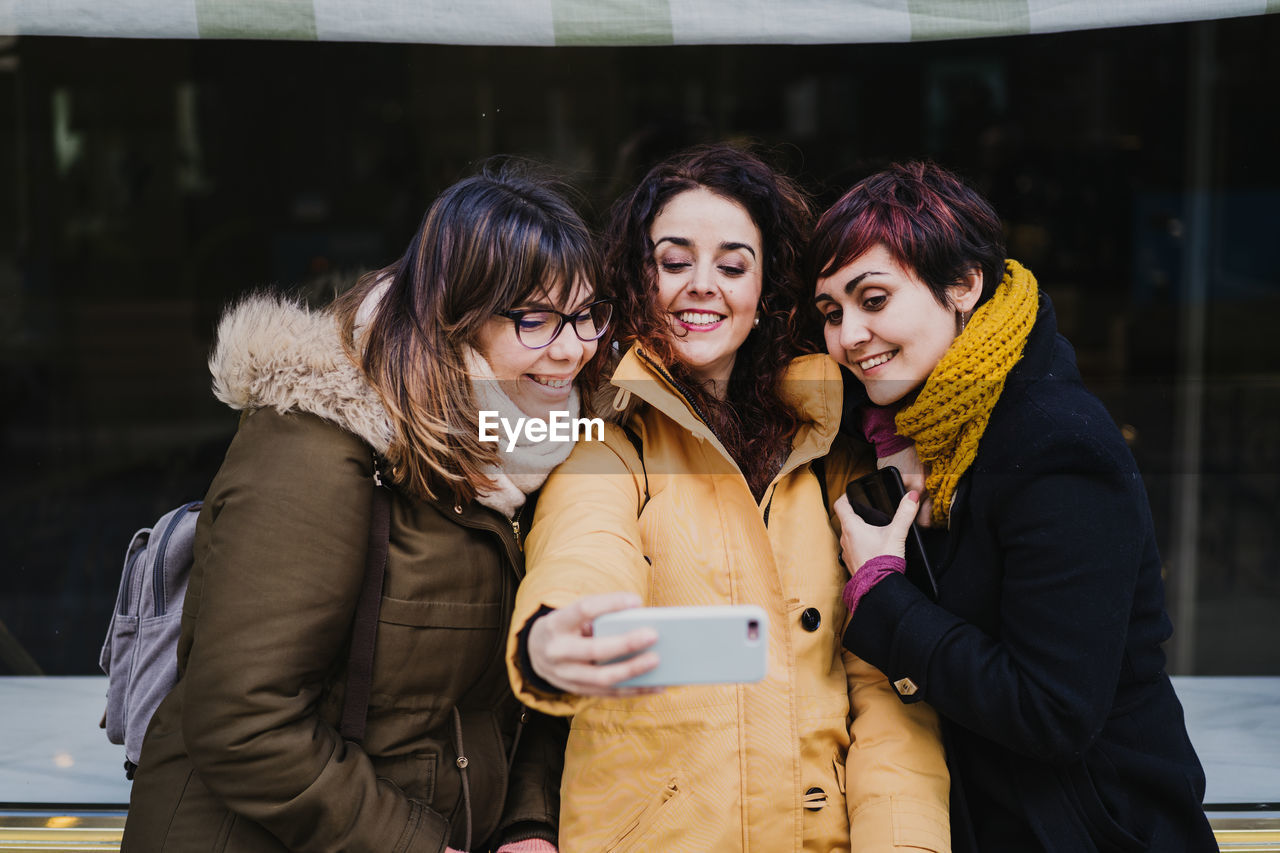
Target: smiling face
[
  {"x": 539, "y": 381},
  {"x": 708, "y": 253},
  {"x": 884, "y": 324}
]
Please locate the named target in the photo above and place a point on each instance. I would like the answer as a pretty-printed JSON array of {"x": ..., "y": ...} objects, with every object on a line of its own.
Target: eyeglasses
[{"x": 537, "y": 328}]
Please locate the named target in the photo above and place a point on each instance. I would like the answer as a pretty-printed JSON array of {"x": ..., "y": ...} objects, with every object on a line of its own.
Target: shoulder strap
[
  {"x": 355, "y": 708},
  {"x": 634, "y": 438}
]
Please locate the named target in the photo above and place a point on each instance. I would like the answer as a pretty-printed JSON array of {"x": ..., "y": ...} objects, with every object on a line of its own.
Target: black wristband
[{"x": 532, "y": 678}]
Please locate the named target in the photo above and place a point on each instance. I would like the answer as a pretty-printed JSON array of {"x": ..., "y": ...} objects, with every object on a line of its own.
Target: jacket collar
[
  {"x": 1039, "y": 354},
  {"x": 810, "y": 384},
  {"x": 274, "y": 352}
]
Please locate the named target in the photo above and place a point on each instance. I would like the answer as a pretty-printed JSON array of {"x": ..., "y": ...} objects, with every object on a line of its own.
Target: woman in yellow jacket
[{"x": 716, "y": 502}]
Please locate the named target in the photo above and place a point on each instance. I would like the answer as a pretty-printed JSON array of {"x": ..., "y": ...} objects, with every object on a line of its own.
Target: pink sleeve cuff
[
  {"x": 528, "y": 845},
  {"x": 868, "y": 575},
  {"x": 879, "y": 429}
]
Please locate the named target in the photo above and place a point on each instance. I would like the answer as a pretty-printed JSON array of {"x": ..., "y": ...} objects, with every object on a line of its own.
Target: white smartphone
[{"x": 696, "y": 645}]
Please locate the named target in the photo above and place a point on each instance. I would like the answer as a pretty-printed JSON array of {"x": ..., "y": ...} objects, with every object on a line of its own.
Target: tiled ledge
[
  {"x": 28, "y": 832},
  {"x": 1238, "y": 835},
  {"x": 62, "y": 785}
]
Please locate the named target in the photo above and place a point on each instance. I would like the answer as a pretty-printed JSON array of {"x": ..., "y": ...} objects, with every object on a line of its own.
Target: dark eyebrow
[
  {"x": 546, "y": 306},
  {"x": 849, "y": 286},
  {"x": 686, "y": 243},
  {"x": 854, "y": 282}
]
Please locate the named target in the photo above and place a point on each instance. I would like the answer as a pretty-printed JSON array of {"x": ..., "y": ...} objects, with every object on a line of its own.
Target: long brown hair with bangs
[
  {"x": 489, "y": 243},
  {"x": 753, "y": 421}
]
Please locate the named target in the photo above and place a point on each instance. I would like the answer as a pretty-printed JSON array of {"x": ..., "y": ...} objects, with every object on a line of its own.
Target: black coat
[{"x": 1042, "y": 655}]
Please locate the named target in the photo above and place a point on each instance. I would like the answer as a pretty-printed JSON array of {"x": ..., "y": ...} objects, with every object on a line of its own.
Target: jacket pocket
[
  {"x": 434, "y": 649},
  {"x": 224, "y": 832},
  {"x": 246, "y": 836},
  {"x": 838, "y": 764},
  {"x": 1085, "y": 781},
  {"x": 660, "y": 812},
  {"x": 458, "y": 615},
  {"x": 414, "y": 775}
]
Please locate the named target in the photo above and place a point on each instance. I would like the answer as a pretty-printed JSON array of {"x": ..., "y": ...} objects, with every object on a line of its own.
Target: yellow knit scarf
[{"x": 948, "y": 417}]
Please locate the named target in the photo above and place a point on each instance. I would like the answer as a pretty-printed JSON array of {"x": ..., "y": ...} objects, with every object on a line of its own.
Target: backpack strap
[
  {"x": 355, "y": 708},
  {"x": 634, "y": 438}
]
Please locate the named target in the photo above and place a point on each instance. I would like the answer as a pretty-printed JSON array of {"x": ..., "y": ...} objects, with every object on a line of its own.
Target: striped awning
[{"x": 598, "y": 22}]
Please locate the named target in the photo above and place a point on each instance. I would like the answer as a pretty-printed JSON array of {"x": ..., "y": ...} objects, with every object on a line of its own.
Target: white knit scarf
[{"x": 525, "y": 467}]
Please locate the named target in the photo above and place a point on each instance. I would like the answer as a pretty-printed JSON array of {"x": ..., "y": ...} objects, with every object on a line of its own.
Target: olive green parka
[{"x": 244, "y": 754}]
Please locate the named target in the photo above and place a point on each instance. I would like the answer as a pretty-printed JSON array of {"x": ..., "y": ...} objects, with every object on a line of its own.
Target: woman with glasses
[
  {"x": 706, "y": 494},
  {"x": 493, "y": 306}
]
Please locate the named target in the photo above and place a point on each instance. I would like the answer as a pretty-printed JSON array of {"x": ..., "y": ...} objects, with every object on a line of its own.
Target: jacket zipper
[
  {"x": 680, "y": 389},
  {"x": 496, "y": 529},
  {"x": 662, "y": 371}
]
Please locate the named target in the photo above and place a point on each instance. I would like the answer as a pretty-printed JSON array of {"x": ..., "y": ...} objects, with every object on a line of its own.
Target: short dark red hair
[{"x": 927, "y": 218}]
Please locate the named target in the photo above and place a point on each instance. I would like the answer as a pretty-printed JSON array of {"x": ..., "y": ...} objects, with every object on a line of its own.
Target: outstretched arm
[{"x": 584, "y": 557}]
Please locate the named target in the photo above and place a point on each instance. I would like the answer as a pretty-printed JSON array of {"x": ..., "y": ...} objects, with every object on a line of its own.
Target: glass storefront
[{"x": 144, "y": 184}]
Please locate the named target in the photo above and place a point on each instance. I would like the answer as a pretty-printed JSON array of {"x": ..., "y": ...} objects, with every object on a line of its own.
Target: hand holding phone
[
  {"x": 696, "y": 645},
  {"x": 907, "y": 461},
  {"x": 563, "y": 652},
  {"x": 875, "y": 499}
]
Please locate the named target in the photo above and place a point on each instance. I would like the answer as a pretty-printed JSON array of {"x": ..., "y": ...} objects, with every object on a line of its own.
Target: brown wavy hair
[
  {"x": 753, "y": 421},
  {"x": 489, "y": 243}
]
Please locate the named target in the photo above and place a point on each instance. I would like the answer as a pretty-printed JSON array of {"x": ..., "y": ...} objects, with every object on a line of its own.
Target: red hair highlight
[{"x": 926, "y": 217}]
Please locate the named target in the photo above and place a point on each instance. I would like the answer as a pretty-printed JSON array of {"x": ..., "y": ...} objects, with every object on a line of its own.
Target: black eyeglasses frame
[{"x": 565, "y": 319}]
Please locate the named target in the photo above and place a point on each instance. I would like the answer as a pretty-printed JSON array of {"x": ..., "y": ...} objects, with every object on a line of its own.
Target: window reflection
[{"x": 143, "y": 184}]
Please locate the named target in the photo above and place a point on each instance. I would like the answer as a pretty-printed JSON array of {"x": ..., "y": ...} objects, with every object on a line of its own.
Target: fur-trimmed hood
[{"x": 273, "y": 352}]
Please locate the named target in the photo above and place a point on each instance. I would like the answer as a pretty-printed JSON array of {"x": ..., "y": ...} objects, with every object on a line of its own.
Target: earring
[
  {"x": 964, "y": 320},
  {"x": 755, "y": 322}
]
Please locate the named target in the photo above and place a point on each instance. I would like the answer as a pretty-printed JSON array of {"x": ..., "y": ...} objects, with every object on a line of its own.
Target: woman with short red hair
[{"x": 1042, "y": 651}]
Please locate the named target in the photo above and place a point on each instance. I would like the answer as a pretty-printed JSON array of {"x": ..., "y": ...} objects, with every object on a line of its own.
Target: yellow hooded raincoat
[{"x": 821, "y": 755}]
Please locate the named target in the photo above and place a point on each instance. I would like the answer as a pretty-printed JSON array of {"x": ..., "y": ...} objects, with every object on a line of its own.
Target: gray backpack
[{"x": 140, "y": 654}]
